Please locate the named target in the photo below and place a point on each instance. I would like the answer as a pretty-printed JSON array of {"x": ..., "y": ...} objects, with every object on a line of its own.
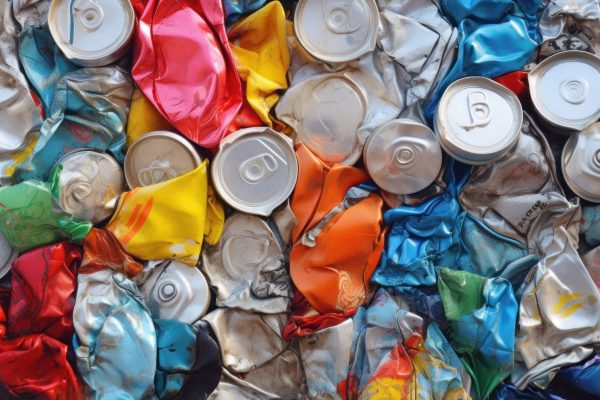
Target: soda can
[
  {"x": 478, "y": 120},
  {"x": 326, "y": 112},
  {"x": 565, "y": 90},
  {"x": 337, "y": 30},
  {"x": 255, "y": 170},
  {"x": 174, "y": 290},
  {"x": 403, "y": 156},
  {"x": 92, "y": 33},
  {"x": 157, "y": 157},
  {"x": 247, "y": 267},
  {"x": 581, "y": 163},
  {"x": 90, "y": 185},
  {"x": 8, "y": 254}
]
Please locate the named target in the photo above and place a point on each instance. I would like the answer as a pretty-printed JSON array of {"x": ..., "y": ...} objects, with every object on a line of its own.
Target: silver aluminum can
[
  {"x": 337, "y": 30},
  {"x": 326, "y": 112},
  {"x": 92, "y": 33},
  {"x": 8, "y": 254},
  {"x": 247, "y": 267},
  {"x": 255, "y": 170},
  {"x": 158, "y": 157},
  {"x": 565, "y": 89},
  {"x": 90, "y": 185},
  {"x": 403, "y": 156},
  {"x": 174, "y": 290},
  {"x": 478, "y": 120},
  {"x": 581, "y": 163}
]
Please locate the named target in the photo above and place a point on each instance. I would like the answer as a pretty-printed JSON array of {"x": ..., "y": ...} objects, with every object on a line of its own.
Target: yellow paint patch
[{"x": 568, "y": 304}]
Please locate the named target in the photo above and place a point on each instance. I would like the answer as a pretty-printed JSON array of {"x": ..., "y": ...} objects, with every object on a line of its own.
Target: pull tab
[
  {"x": 338, "y": 18},
  {"x": 253, "y": 244},
  {"x": 596, "y": 159},
  {"x": 479, "y": 110},
  {"x": 158, "y": 171},
  {"x": 401, "y": 159},
  {"x": 258, "y": 168},
  {"x": 88, "y": 14}
]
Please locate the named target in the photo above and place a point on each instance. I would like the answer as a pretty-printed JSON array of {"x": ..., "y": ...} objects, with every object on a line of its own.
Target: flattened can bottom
[{"x": 581, "y": 163}]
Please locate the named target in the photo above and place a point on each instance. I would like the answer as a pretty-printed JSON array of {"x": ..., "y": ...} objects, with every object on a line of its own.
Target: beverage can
[{"x": 581, "y": 163}]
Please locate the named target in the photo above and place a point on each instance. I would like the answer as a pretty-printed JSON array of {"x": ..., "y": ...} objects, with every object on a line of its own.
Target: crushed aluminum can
[
  {"x": 403, "y": 156},
  {"x": 478, "y": 120},
  {"x": 90, "y": 185},
  {"x": 337, "y": 30},
  {"x": 92, "y": 33},
  {"x": 255, "y": 170},
  {"x": 157, "y": 157},
  {"x": 581, "y": 163},
  {"x": 233, "y": 328},
  {"x": 565, "y": 90},
  {"x": 248, "y": 267},
  {"x": 8, "y": 254},
  {"x": 18, "y": 112},
  {"x": 174, "y": 290},
  {"x": 326, "y": 112}
]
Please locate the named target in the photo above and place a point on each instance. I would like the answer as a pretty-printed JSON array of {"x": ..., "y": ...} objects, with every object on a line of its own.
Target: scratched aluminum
[
  {"x": 174, "y": 290},
  {"x": 478, "y": 120},
  {"x": 519, "y": 195},
  {"x": 581, "y": 163},
  {"x": 8, "y": 254},
  {"x": 255, "y": 170},
  {"x": 559, "y": 310},
  {"x": 157, "y": 157},
  {"x": 234, "y": 328},
  {"x": 248, "y": 267},
  {"x": 90, "y": 185},
  {"x": 92, "y": 33}
]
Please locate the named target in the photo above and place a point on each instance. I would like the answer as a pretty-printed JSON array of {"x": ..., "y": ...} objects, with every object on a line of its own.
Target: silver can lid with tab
[
  {"x": 326, "y": 112},
  {"x": 565, "y": 89},
  {"x": 92, "y": 33},
  {"x": 255, "y": 170},
  {"x": 90, "y": 184},
  {"x": 403, "y": 156},
  {"x": 174, "y": 290},
  {"x": 337, "y": 30},
  {"x": 581, "y": 163},
  {"x": 158, "y": 157},
  {"x": 478, "y": 120}
]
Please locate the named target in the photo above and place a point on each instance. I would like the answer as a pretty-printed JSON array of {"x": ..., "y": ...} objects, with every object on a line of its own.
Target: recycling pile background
[{"x": 324, "y": 199}]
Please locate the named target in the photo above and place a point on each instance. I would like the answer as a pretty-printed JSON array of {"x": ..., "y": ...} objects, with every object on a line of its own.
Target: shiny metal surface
[
  {"x": 560, "y": 308},
  {"x": 581, "y": 163},
  {"x": 8, "y": 254},
  {"x": 90, "y": 185},
  {"x": 174, "y": 290},
  {"x": 92, "y": 33},
  {"x": 519, "y": 195},
  {"x": 336, "y": 30},
  {"x": 565, "y": 89},
  {"x": 325, "y": 356},
  {"x": 157, "y": 157},
  {"x": 478, "y": 120},
  {"x": 403, "y": 156},
  {"x": 255, "y": 170},
  {"x": 326, "y": 112},
  {"x": 248, "y": 267},
  {"x": 235, "y": 329}
]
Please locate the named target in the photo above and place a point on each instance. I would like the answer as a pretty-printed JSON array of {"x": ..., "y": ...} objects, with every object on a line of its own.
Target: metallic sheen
[{"x": 581, "y": 163}]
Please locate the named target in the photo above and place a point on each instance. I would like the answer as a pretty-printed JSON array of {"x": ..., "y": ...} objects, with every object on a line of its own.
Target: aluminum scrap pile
[{"x": 300, "y": 199}]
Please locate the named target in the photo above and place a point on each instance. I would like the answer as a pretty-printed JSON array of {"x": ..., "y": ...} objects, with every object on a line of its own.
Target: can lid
[
  {"x": 255, "y": 170},
  {"x": 90, "y": 184},
  {"x": 565, "y": 89},
  {"x": 91, "y": 32},
  {"x": 327, "y": 112},
  {"x": 478, "y": 120},
  {"x": 157, "y": 157},
  {"x": 581, "y": 163},
  {"x": 403, "y": 156},
  {"x": 8, "y": 254},
  {"x": 337, "y": 30},
  {"x": 175, "y": 290}
]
